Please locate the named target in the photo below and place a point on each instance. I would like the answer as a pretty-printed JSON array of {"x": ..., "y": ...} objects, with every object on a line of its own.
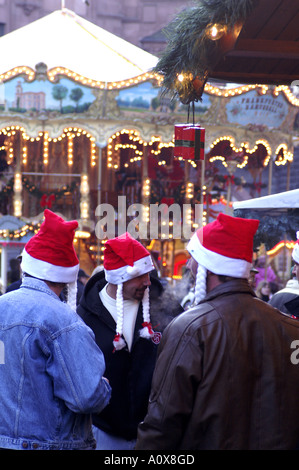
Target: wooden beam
[
  {"x": 254, "y": 78},
  {"x": 265, "y": 48}
]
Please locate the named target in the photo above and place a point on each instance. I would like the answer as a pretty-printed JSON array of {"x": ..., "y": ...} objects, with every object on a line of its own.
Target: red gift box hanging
[
  {"x": 189, "y": 141},
  {"x": 194, "y": 142},
  {"x": 178, "y": 139}
]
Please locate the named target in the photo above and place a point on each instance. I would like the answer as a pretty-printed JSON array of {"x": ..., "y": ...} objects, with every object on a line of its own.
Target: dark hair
[
  {"x": 58, "y": 284},
  {"x": 222, "y": 278}
]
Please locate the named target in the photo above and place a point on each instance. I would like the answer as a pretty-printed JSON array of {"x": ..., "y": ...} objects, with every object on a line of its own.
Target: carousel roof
[{"x": 65, "y": 41}]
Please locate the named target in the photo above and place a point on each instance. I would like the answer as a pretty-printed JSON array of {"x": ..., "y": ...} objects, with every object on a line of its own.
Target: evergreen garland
[
  {"x": 190, "y": 50},
  {"x": 32, "y": 189}
]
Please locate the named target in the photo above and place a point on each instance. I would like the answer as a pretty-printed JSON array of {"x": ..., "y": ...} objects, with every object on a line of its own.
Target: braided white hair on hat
[
  {"x": 200, "y": 283},
  {"x": 119, "y": 342},
  {"x": 72, "y": 295},
  {"x": 146, "y": 331}
]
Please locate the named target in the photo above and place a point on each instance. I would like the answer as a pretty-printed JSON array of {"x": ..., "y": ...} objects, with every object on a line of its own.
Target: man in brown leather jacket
[{"x": 227, "y": 373}]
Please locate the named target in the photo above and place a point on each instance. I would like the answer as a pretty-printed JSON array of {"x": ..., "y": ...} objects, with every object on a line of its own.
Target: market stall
[{"x": 279, "y": 222}]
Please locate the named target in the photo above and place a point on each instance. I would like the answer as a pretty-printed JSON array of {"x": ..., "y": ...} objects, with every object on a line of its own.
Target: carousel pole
[
  {"x": 145, "y": 194},
  {"x": 231, "y": 167},
  {"x": 288, "y": 174},
  {"x": 17, "y": 187},
  {"x": 84, "y": 188},
  {"x": 202, "y": 184},
  {"x": 100, "y": 146},
  {"x": 270, "y": 175},
  {"x": 228, "y": 197}
]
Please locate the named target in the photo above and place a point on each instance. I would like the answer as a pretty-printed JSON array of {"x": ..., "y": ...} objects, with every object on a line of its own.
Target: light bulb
[{"x": 215, "y": 31}]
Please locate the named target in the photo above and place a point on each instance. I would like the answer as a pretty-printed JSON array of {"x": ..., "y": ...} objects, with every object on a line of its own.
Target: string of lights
[
  {"x": 282, "y": 152},
  {"x": 55, "y": 73}
]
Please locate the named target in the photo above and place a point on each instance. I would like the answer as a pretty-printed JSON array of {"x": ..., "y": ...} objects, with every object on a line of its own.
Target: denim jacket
[{"x": 51, "y": 372}]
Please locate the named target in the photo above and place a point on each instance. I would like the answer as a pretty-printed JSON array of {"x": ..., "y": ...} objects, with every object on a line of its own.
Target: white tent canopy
[
  {"x": 64, "y": 39},
  {"x": 285, "y": 200}
]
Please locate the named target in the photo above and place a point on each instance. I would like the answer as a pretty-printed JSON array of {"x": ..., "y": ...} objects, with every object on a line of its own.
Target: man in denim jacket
[{"x": 51, "y": 370}]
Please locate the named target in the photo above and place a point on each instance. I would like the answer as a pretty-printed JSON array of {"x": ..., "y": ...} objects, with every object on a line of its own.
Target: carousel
[{"x": 86, "y": 125}]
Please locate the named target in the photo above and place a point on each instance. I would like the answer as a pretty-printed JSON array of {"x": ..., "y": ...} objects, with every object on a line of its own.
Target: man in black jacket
[{"x": 127, "y": 315}]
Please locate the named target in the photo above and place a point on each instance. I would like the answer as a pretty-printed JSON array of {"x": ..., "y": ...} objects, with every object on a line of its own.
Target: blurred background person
[{"x": 263, "y": 291}]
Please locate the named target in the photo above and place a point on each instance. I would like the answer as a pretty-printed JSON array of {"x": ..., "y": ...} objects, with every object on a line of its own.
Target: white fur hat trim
[
  {"x": 217, "y": 263},
  {"x": 125, "y": 273}
]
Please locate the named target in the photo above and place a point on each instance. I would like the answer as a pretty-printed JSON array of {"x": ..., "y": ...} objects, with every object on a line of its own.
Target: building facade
[{"x": 137, "y": 21}]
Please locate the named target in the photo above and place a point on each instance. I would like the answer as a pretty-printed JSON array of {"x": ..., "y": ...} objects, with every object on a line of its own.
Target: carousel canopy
[
  {"x": 63, "y": 39},
  {"x": 285, "y": 200},
  {"x": 278, "y": 215}
]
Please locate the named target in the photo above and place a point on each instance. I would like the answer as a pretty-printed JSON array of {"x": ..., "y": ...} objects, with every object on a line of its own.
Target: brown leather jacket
[{"x": 227, "y": 377}]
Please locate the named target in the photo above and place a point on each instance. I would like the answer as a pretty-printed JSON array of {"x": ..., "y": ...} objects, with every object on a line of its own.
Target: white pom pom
[
  {"x": 146, "y": 331},
  {"x": 297, "y": 235},
  {"x": 119, "y": 342}
]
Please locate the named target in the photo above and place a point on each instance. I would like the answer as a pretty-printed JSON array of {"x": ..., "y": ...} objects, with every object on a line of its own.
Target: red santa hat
[
  {"x": 125, "y": 258},
  {"x": 295, "y": 254},
  {"x": 50, "y": 254},
  {"x": 224, "y": 247}
]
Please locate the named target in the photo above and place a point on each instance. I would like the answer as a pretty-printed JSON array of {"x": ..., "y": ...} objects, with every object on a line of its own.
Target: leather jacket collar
[{"x": 230, "y": 287}]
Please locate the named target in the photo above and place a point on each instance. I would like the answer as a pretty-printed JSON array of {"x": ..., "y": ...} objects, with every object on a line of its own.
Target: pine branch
[{"x": 189, "y": 49}]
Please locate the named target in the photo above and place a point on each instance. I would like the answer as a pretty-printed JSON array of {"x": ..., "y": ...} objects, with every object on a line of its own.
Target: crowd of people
[
  {"x": 121, "y": 365},
  {"x": 265, "y": 283}
]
